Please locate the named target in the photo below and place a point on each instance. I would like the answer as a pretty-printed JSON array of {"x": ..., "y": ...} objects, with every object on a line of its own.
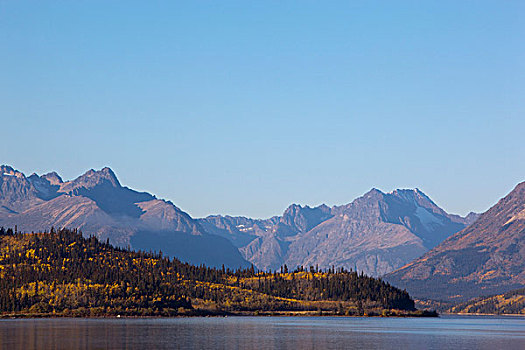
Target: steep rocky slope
[{"x": 488, "y": 257}]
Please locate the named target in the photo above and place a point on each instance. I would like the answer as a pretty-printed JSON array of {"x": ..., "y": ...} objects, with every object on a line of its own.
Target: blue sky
[{"x": 243, "y": 107}]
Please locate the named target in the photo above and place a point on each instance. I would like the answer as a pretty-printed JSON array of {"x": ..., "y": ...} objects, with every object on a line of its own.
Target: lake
[{"x": 446, "y": 332}]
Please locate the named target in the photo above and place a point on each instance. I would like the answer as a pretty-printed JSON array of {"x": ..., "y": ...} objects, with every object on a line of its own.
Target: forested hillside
[
  {"x": 63, "y": 273},
  {"x": 510, "y": 303}
]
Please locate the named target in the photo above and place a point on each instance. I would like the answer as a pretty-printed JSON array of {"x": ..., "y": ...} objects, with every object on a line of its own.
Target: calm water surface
[{"x": 447, "y": 332}]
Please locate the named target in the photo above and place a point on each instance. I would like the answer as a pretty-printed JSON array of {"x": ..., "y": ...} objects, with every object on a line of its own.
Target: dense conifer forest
[{"x": 63, "y": 273}]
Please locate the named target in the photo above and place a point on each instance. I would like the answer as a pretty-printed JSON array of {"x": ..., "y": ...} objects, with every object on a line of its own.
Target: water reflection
[{"x": 264, "y": 333}]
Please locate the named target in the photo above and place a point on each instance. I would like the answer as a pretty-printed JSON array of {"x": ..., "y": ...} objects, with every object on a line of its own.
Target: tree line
[{"x": 63, "y": 272}]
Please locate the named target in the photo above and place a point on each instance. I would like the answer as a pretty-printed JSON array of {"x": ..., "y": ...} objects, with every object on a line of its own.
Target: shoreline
[
  {"x": 414, "y": 314},
  {"x": 479, "y": 314}
]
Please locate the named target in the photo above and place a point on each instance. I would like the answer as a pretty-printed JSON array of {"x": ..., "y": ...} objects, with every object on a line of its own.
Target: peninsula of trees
[{"x": 62, "y": 273}]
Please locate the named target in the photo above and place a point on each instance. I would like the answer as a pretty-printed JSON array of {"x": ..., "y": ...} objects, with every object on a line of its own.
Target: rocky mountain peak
[
  {"x": 293, "y": 208},
  {"x": 304, "y": 218},
  {"x": 47, "y": 185},
  {"x": 324, "y": 208},
  {"x": 6, "y": 170},
  {"x": 412, "y": 195},
  {"x": 15, "y": 188},
  {"x": 471, "y": 217},
  {"x": 93, "y": 178},
  {"x": 417, "y": 198},
  {"x": 53, "y": 178},
  {"x": 104, "y": 174},
  {"x": 374, "y": 193}
]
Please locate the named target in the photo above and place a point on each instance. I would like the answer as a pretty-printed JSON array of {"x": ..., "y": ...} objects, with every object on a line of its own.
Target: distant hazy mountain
[
  {"x": 97, "y": 204},
  {"x": 376, "y": 233},
  {"x": 488, "y": 257}
]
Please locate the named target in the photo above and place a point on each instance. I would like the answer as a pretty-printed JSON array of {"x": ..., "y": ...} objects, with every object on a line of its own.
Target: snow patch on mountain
[{"x": 427, "y": 219}]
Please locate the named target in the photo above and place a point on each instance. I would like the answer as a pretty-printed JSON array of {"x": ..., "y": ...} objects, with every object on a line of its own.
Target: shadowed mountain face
[
  {"x": 96, "y": 203},
  {"x": 488, "y": 257},
  {"x": 376, "y": 233}
]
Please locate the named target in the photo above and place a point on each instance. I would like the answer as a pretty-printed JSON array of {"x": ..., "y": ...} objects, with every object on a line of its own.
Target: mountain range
[
  {"x": 376, "y": 233},
  {"x": 487, "y": 257},
  {"x": 401, "y": 235},
  {"x": 98, "y": 204}
]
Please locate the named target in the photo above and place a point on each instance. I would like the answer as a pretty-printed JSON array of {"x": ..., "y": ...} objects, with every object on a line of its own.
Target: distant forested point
[
  {"x": 510, "y": 303},
  {"x": 63, "y": 273}
]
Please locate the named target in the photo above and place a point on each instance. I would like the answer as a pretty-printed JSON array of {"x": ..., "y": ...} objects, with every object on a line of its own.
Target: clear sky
[{"x": 243, "y": 107}]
